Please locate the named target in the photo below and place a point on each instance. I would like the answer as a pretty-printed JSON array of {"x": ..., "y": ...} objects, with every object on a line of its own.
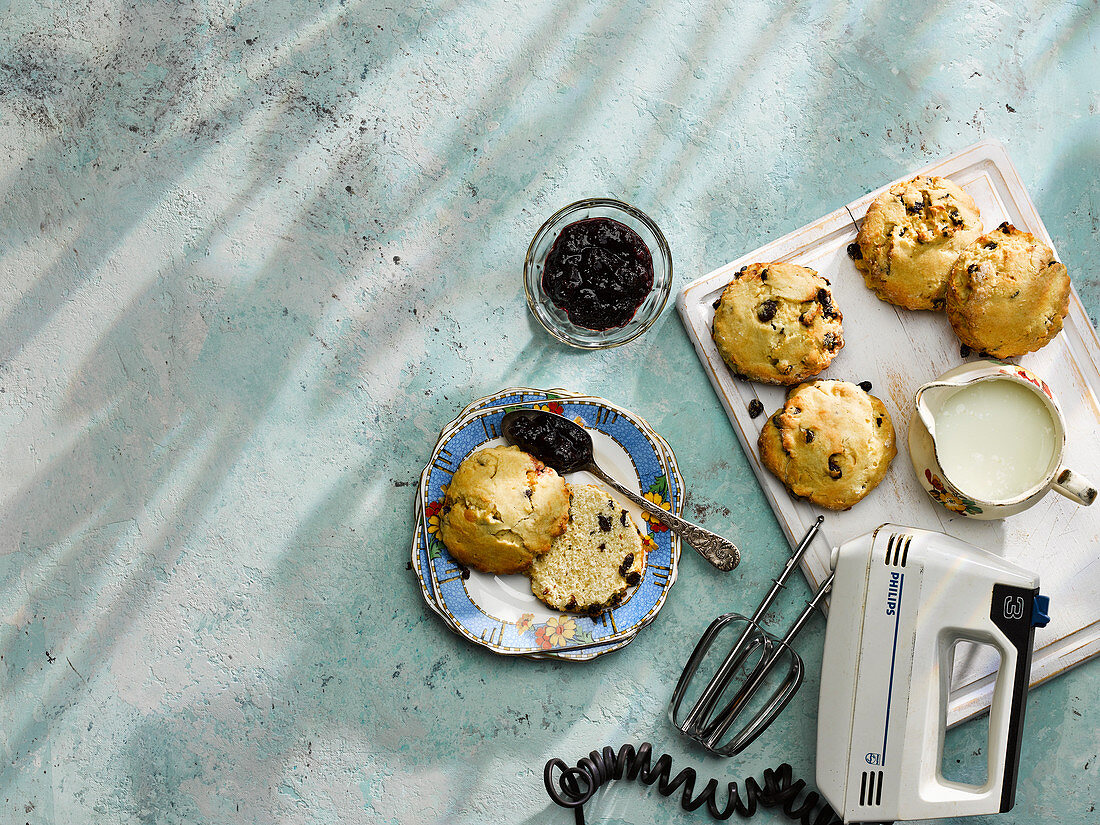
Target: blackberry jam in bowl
[{"x": 598, "y": 273}]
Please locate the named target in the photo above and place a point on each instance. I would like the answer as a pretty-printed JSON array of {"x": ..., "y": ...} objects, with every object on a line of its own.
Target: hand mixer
[{"x": 902, "y": 598}]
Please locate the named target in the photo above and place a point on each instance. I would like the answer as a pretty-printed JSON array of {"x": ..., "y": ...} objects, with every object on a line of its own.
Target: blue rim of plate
[
  {"x": 515, "y": 395},
  {"x": 420, "y": 562},
  {"x": 654, "y": 465}
]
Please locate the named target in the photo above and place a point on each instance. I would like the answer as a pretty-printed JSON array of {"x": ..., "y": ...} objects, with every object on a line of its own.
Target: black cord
[{"x": 575, "y": 786}]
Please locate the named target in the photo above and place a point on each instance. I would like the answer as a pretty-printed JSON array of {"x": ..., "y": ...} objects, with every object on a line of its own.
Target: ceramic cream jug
[{"x": 987, "y": 441}]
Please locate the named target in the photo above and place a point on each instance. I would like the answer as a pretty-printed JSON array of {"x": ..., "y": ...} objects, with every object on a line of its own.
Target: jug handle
[{"x": 1074, "y": 486}]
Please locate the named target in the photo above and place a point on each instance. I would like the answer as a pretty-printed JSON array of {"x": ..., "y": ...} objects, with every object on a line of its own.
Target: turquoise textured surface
[{"x": 254, "y": 256}]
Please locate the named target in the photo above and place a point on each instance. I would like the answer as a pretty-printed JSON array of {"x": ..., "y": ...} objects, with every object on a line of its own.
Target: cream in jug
[{"x": 995, "y": 439}]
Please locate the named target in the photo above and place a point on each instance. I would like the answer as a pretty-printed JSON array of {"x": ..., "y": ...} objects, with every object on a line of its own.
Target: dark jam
[
  {"x": 552, "y": 440},
  {"x": 598, "y": 272}
]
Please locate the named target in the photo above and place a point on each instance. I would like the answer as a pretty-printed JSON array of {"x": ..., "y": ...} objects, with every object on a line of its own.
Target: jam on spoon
[
  {"x": 552, "y": 439},
  {"x": 567, "y": 447},
  {"x": 598, "y": 271}
]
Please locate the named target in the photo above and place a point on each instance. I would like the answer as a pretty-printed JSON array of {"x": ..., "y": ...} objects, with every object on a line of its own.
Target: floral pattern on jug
[
  {"x": 958, "y": 504},
  {"x": 1031, "y": 378}
]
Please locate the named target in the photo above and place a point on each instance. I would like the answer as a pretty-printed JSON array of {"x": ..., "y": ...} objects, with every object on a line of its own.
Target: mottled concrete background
[{"x": 254, "y": 255}]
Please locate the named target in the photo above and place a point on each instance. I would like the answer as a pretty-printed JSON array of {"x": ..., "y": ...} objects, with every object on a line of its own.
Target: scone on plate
[
  {"x": 503, "y": 507},
  {"x": 1007, "y": 295},
  {"x": 910, "y": 238},
  {"x": 830, "y": 443},
  {"x": 595, "y": 561},
  {"x": 777, "y": 323}
]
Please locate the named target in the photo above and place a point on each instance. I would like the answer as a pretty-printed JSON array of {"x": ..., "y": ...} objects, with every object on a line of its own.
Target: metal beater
[{"x": 707, "y": 722}]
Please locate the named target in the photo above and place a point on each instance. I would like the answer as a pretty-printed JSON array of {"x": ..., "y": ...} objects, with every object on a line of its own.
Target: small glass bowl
[{"x": 552, "y": 317}]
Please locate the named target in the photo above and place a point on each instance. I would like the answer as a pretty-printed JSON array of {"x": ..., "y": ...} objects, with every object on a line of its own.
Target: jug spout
[{"x": 930, "y": 399}]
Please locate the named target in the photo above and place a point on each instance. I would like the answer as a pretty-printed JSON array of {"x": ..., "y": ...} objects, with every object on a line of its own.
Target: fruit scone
[
  {"x": 777, "y": 323},
  {"x": 503, "y": 507},
  {"x": 911, "y": 236},
  {"x": 591, "y": 566},
  {"x": 830, "y": 443},
  {"x": 1007, "y": 295}
]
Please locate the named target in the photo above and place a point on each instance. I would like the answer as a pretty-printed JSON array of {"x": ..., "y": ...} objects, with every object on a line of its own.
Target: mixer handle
[
  {"x": 935, "y": 787},
  {"x": 1011, "y": 632}
]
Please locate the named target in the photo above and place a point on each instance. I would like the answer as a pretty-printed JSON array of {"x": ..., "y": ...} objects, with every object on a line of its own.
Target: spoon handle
[{"x": 720, "y": 552}]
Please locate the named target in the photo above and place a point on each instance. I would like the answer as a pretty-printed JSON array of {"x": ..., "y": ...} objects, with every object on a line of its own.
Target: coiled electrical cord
[{"x": 577, "y": 785}]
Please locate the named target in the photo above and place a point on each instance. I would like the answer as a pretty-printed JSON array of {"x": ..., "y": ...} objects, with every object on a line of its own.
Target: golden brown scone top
[
  {"x": 830, "y": 443},
  {"x": 502, "y": 508},
  {"x": 777, "y": 323},
  {"x": 1007, "y": 295},
  {"x": 910, "y": 238}
]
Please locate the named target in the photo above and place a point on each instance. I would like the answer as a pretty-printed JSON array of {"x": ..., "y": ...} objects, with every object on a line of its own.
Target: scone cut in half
[
  {"x": 830, "y": 443},
  {"x": 1007, "y": 295},
  {"x": 911, "y": 236},
  {"x": 777, "y": 323},
  {"x": 591, "y": 566},
  {"x": 503, "y": 507}
]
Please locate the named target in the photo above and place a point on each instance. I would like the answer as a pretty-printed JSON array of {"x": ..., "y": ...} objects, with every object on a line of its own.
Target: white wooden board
[{"x": 898, "y": 350}]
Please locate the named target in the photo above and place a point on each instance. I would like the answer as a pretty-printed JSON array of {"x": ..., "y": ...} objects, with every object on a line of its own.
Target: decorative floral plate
[
  {"x": 499, "y": 612},
  {"x": 510, "y": 398},
  {"x": 531, "y": 397}
]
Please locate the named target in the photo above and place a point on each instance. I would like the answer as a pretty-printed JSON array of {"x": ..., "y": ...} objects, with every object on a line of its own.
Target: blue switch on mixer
[{"x": 1040, "y": 608}]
